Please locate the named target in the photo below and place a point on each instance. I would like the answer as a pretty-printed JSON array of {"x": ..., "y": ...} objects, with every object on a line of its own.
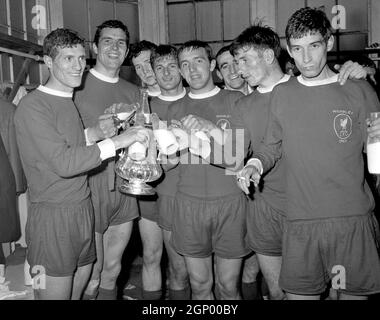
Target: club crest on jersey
[
  {"x": 223, "y": 124},
  {"x": 343, "y": 126}
]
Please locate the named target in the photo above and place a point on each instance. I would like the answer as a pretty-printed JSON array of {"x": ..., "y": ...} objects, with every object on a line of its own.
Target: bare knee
[
  {"x": 178, "y": 273},
  {"x": 152, "y": 257},
  {"x": 201, "y": 285}
]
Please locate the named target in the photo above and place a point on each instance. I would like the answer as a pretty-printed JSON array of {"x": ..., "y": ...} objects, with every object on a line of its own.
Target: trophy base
[{"x": 137, "y": 188}]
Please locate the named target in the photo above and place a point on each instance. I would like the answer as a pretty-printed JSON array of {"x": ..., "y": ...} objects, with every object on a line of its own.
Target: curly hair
[
  {"x": 308, "y": 21},
  {"x": 60, "y": 38},
  {"x": 258, "y": 37},
  {"x": 114, "y": 24}
]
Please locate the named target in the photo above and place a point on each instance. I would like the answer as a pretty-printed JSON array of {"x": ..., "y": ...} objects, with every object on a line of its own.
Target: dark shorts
[
  {"x": 148, "y": 207},
  {"x": 166, "y": 209},
  {"x": 202, "y": 227},
  {"x": 265, "y": 227},
  {"x": 111, "y": 208},
  {"x": 60, "y": 238},
  {"x": 343, "y": 250}
]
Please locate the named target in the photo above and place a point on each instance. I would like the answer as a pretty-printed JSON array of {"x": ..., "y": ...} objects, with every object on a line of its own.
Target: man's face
[
  {"x": 66, "y": 68},
  {"x": 167, "y": 73},
  {"x": 310, "y": 55},
  {"x": 112, "y": 48},
  {"x": 143, "y": 68},
  {"x": 196, "y": 69},
  {"x": 228, "y": 71},
  {"x": 251, "y": 66}
]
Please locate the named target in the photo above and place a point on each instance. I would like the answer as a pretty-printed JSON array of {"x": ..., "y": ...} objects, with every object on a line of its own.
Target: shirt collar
[
  {"x": 102, "y": 77},
  {"x": 209, "y": 94},
  {"x": 54, "y": 92},
  {"x": 173, "y": 98},
  {"x": 330, "y": 80}
]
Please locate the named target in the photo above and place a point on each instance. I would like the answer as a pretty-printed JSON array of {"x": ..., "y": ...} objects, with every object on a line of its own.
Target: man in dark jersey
[
  {"x": 150, "y": 232},
  {"x": 164, "y": 62},
  {"x": 211, "y": 209},
  {"x": 317, "y": 127},
  {"x": 114, "y": 212},
  {"x": 226, "y": 70},
  {"x": 256, "y": 51},
  {"x": 55, "y": 158}
]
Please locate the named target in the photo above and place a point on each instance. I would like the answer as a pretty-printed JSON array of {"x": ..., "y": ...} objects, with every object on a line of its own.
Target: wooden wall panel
[
  {"x": 208, "y": 23},
  {"x": 181, "y": 23},
  {"x": 236, "y": 17},
  {"x": 357, "y": 14},
  {"x": 3, "y": 17},
  {"x": 128, "y": 13},
  {"x": 16, "y": 19},
  {"x": 75, "y": 16},
  {"x": 284, "y": 10},
  {"x": 99, "y": 12}
]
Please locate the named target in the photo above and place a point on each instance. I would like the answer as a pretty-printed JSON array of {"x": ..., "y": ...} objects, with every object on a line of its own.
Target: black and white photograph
[{"x": 165, "y": 153}]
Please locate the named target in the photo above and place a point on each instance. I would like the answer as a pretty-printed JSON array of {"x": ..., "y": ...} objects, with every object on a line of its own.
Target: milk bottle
[{"x": 373, "y": 149}]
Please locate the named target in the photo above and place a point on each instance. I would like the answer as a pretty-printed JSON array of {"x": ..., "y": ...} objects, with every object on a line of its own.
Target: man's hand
[
  {"x": 131, "y": 135},
  {"x": 350, "y": 70},
  {"x": 105, "y": 128},
  {"x": 247, "y": 175},
  {"x": 192, "y": 122},
  {"x": 120, "y": 108}
]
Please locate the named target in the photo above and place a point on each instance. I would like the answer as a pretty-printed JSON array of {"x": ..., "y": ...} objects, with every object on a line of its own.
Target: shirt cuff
[
  {"x": 256, "y": 163},
  {"x": 107, "y": 149},
  {"x": 88, "y": 143}
]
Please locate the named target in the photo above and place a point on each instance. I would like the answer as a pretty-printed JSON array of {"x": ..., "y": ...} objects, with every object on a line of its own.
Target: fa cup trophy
[{"x": 138, "y": 165}]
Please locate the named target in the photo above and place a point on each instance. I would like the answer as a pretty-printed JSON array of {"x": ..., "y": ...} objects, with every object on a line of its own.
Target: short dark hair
[
  {"x": 258, "y": 37},
  {"x": 220, "y": 52},
  {"x": 61, "y": 38},
  {"x": 114, "y": 24},
  {"x": 138, "y": 47},
  {"x": 308, "y": 20},
  {"x": 196, "y": 44},
  {"x": 163, "y": 50}
]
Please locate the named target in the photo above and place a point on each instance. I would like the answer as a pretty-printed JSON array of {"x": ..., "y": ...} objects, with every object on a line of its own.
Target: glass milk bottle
[
  {"x": 145, "y": 107},
  {"x": 373, "y": 149}
]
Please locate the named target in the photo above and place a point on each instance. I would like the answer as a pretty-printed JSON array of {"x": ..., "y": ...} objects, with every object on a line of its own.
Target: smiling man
[
  {"x": 114, "y": 211},
  {"x": 55, "y": 159},
  {"x": 164, "y": 62},
  {"x": 210, "y": 217},
  {"x": 226, "y": 70}
]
